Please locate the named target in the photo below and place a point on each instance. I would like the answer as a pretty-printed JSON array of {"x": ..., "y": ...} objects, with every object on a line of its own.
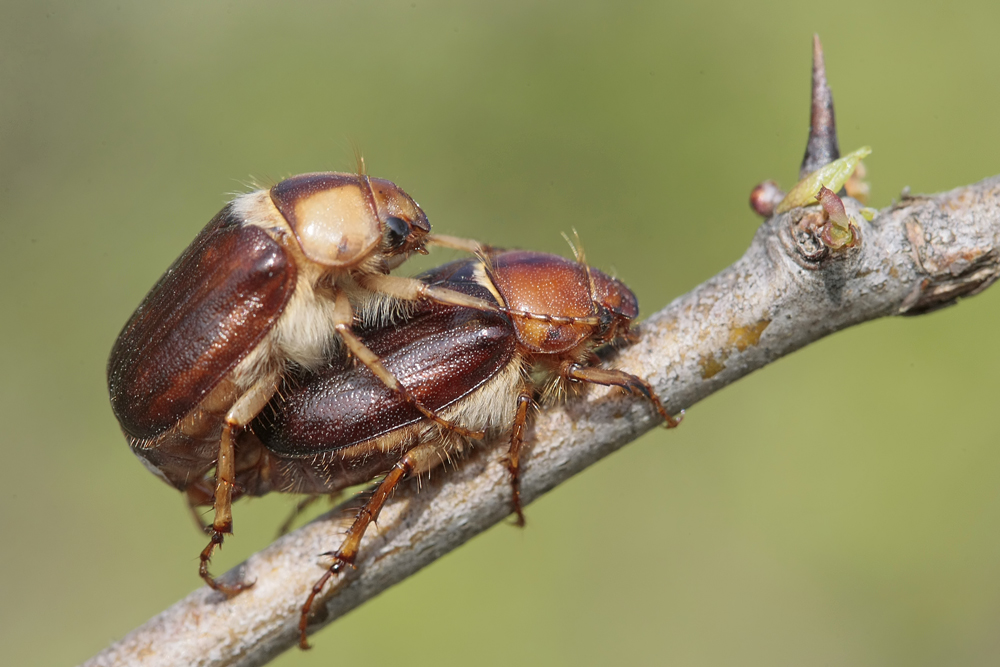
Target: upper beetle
[{"x": 269, "y": 281}]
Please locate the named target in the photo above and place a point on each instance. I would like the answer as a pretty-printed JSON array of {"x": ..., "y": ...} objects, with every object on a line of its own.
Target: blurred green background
[{"x": 756, "y": 534}]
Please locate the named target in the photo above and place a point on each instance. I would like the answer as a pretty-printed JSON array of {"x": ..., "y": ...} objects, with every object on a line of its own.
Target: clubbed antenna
[
  {"x": 822, "y": 148},
  {"x": 359, "y": 159}
]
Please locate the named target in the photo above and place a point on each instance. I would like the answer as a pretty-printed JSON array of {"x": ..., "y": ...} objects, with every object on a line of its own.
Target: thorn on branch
[
  {"x": 822, "y": 164},
  {"x": 822, "y": 147}
]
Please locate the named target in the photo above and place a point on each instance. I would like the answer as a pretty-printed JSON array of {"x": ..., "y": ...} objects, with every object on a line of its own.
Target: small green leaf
[{"x": 833, "y": 176}]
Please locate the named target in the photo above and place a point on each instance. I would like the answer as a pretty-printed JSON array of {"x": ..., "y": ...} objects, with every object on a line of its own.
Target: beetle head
[
  {"x": 616, "y": 304},
  {"x": 340, "y": 220},
  {"x": 404, "y": 225}
]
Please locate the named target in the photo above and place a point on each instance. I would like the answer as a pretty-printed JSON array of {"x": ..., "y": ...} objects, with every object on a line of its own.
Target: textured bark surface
[{"x": 787, "y": 291}]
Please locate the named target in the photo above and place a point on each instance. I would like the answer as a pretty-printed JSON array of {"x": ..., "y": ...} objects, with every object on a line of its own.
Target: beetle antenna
[
  {"x": 369, "y": 193},
  {"x": 577, "y": 247},
  {"x": 822, "y": 148},
  {"x": 485, "y": 255},
  {"x": 581, "y": 257},
  {"x": 359, "y": 159},
  {"x": 570, "y": 244}
]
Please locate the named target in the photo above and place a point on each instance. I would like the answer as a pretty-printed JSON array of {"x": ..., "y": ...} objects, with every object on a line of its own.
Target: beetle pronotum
[{"x": 268, "y": 282}]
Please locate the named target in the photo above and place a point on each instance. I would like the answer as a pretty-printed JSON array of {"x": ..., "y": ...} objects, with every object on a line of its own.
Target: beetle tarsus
[
  {"x": 517, "y": 509},
  {"x": 229, "y": 590},
  {"x": 414, "y": 461},
  {"x": 338, "y": 565},
  {"x": 457, "y": 243}
]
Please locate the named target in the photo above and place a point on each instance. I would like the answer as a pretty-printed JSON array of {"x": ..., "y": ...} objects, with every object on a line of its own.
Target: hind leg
[{"x": 420, "y": 459}]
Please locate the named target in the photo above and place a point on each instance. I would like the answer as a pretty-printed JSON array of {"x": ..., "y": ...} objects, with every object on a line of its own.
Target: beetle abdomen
[
  {"x": 207, "y": 312},
  {"x": 439, "y": 354}
]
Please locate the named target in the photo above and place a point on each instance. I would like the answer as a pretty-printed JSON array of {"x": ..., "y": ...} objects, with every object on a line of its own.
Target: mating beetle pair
[
  {"x": 241, "y": 358},
  {"x": 266, "y": 284}
]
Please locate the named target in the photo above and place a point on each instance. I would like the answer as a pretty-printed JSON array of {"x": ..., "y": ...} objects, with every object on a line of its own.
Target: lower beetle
[
  {"x": 268, "y": 282},
  {"x": 340, "y": 426}
]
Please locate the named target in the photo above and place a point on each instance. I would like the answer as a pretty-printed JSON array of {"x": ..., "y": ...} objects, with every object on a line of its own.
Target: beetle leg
[
  {"x": 420, "y": 459},
  {"x": 224, "y": 474},
  {"x": 411, "y": 289},
  {"x": 343, "y": 316},
  {"x": 514, "y": 453},
  {"x": 248, "y": 405},
  {"x": 612, "y": 377},
  {"x": 456, "y": 243}
]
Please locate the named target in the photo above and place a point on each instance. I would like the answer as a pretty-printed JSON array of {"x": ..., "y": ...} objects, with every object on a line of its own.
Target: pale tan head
[{"x": 340, "y": 219}]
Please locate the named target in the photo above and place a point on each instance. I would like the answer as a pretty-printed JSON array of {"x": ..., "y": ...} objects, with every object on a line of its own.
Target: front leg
[
  {"x": 457, "y": 243},
  {"x": 612, "y": 377},
  {"x": 411, "y": 289}
]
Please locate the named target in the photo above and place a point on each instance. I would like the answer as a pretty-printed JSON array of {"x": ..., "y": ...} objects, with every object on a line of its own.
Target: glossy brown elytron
[
  {"x": 482, "y": 370},
  {"x": 271, "y": 281}
]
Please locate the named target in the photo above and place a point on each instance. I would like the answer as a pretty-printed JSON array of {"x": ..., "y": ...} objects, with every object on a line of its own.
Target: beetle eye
[
  {"x": 604, "y": 320},
  {"x": 397, "y": 230}
]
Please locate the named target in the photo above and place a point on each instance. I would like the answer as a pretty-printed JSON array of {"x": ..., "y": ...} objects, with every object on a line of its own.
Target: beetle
[
  {"x": 267, "y": 283},
  {"x": 340, "y": 426}
]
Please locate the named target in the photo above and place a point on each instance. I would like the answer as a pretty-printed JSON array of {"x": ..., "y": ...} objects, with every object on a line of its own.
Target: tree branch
[{"x": 787, "y": 291}]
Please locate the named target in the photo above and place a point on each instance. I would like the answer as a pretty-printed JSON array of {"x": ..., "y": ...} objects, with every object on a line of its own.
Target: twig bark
[{"x": 787, "y": 291}]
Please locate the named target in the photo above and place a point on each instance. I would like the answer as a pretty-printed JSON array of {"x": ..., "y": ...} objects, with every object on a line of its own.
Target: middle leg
[{"x": 524, "y": 403}]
